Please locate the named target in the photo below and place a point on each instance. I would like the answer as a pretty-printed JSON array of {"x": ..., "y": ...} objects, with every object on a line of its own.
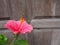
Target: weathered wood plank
[
  {"x": 30, "y": 38},
  {"x": 41, "y": 8},
  {"x": 40, "y": 37},
  {"x": 21, "y": 8},
  {"x": 18, "y": 9},
  {"x": 2, "y": 23},
  {"x": 57, "y": 12},
  {"x": 28, "y": 10},
  {"x": 53, "y": 8},
  {"x": 3, "y": 9},
  {"x": 55, "y": 37},
  {"x": 46, "y": 23}
]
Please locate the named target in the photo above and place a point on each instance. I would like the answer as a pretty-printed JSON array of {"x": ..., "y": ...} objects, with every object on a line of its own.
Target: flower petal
[
  {"x": 25, "y": 27},
  {"x": 12, "y": 25}
]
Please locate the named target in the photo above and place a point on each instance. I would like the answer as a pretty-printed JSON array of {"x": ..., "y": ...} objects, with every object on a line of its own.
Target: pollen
[{"x": 21, "y": 20}]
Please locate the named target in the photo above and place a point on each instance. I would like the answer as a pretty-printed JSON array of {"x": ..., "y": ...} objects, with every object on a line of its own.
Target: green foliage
[
  {"x": 20, "y": 42},
  {"x": 3, "y": 40}
]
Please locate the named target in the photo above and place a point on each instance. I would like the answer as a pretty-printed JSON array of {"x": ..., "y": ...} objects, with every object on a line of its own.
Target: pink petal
[
  {"x": 27, "y": 30},
  {"x": 25, "y": 27},
  {"x": 19, "y": 24},
  {"x": 12, "y": 25}
]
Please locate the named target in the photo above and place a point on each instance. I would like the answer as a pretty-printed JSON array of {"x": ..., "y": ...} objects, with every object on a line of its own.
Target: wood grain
[
  {"x": 41, "y": 8},
  {"x": 46, "y": 23},
  {"x": 40, "y": 37},
  {"x": 18, "y": 9},
  {"x": 3, "y": 9},
  {"x": 57, "y": 8},
  {"x": 55, "y": 37},
  {"x": 2, "y": 24}
]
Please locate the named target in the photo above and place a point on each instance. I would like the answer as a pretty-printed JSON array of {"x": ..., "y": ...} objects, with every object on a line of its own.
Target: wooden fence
[{"x": 44, "y": 15}]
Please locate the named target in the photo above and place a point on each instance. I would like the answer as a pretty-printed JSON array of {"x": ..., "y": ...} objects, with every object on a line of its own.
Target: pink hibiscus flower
[{"x": 17, "y": 27}]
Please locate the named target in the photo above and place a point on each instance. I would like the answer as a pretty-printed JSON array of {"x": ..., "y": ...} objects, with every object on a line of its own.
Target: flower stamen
[{"x": 21, "y": 20}]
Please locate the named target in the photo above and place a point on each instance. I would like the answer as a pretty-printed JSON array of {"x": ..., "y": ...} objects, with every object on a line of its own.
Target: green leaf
[
  {"x": 20, "y": 42},
  {"x": 1, "y": 37},
  {"x": 6, "y": 40},
  {"x": 3, "y": 40}
]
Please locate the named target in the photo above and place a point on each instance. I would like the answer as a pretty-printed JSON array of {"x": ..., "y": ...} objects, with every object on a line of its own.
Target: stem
[{"x": 15, "y": 38}]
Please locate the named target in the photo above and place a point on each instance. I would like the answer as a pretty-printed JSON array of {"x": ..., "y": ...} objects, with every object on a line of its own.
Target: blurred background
[{"x": 44, "y": 15}]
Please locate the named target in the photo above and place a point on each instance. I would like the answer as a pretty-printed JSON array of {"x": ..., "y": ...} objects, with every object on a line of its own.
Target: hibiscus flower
[{"x": 20, "y": 26}]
